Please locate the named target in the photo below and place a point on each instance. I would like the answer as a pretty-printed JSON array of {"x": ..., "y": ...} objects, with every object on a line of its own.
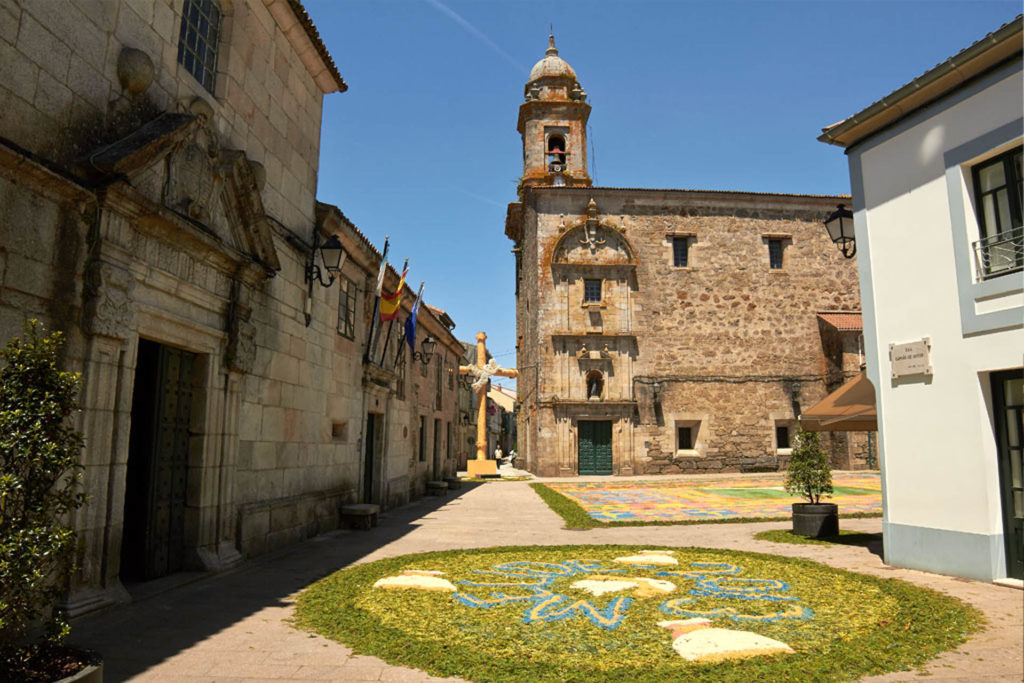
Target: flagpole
[
  {"x": 376, "y": 305},
  {"x": 391, "y": 323}
]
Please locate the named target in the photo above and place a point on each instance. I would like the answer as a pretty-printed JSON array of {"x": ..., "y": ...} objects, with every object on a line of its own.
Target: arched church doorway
[{"x": 156, "y": 483}]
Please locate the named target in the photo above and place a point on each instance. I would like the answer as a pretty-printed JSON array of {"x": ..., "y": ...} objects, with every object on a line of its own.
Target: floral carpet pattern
[{"x": 688, "y": 499}]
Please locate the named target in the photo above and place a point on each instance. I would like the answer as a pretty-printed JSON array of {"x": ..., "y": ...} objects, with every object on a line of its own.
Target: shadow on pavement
[
  {"x": 132, "y": 638},
  {"x": 871, "y": 542}
]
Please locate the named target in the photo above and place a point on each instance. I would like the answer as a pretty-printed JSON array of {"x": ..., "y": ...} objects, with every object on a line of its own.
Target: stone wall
[
  {"x": 726, "y": 346},
  {"x": 59, "y": 82},
  {"x": 195, "y": 235}
]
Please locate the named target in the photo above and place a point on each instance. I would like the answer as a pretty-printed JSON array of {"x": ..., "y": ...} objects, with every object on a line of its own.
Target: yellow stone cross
[{"x": 483, "y": 371}]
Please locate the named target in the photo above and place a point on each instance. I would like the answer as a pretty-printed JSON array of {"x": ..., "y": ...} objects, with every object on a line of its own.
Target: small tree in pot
[{"x": 810, "y": 475}]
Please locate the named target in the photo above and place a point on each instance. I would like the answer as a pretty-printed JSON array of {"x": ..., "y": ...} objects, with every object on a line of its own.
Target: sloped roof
[
  {"x": 844, "y": 321},
  {"x": 1002, "y": 44}
]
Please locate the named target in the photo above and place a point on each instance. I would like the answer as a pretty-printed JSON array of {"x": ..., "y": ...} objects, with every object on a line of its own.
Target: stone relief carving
[
  {"x": 596, "y": 241},
  {"x": 109, "y": 306},
  {"x": 192, "y": 178},
  {"x": 240, "y": 355}
]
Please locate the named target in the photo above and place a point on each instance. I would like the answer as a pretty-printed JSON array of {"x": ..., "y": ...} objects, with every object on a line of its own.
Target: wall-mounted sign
[{"x": 911, "y": 358}]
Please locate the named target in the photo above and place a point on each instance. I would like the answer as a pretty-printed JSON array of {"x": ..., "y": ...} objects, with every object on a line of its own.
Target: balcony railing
[{"x": 1000, "y": 254}]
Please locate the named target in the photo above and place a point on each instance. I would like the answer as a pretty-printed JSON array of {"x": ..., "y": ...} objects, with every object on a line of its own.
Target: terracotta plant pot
[{"x": 816, "y": 519}]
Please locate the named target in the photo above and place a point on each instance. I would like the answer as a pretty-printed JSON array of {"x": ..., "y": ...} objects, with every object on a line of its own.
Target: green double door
[
  {"x": 595, "y": 447},
  {"x": 1008, "y": 400}
]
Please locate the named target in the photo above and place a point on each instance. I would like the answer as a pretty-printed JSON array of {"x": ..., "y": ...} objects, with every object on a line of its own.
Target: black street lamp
[
  {"x": 426, "y": 351},
  {"x": 332, "y": 256},
  {"x": 840, "y": 229}
]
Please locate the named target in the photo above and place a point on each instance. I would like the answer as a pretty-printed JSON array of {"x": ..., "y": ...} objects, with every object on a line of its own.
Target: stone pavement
[{"x": 233, "y": 627}]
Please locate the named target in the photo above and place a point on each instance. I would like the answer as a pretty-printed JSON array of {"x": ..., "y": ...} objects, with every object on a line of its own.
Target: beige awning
[{"x": 850, "y": 408}]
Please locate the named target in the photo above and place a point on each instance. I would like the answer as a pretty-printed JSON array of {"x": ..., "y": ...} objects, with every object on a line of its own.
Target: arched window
[
  {"x": 595, "y": 384},
  {"x": 556, "y": 153}
]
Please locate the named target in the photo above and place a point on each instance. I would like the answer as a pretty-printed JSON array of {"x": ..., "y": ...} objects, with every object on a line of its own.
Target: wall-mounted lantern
[
  {"x": 840, "y": 229},
  {"x": 426, "y": 351},
  {"x": 332, "y": 255}
]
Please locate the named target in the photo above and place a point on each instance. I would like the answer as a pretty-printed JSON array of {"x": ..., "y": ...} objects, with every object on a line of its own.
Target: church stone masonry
[
  {"x": 164, "y": 224},
  {"x": 665, "y": 331}
]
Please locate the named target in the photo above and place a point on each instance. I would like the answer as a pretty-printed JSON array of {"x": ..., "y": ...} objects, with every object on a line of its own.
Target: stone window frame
[
  {"x": 199, "y": 40},
  {"x": 689, "y": 239},
  {"x": 783, "y": 240},
  {"x": 346, "y": 307},
  {"x": 697, "y": 434},
  {"x": 789, "y": 425}
]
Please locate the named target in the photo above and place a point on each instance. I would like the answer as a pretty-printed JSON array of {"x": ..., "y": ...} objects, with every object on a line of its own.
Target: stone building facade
[
  {"x": 664, "y": 331},
  {"x": 158, "y": 172}
]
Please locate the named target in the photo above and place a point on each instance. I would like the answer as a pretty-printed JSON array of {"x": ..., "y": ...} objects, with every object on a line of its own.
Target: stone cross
[{"x": 483, "y": 371}]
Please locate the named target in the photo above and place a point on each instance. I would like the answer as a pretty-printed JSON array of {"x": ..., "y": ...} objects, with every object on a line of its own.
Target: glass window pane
[
  {"x": 775, "y": 254},
  {"x": 988, "y": 207},
  {"x": 1015, "y": 468},
  {"x": 680, "y": 249},
  {"x": 1013, "y": 389},
  {"x": 1003, "y": 202},
  {"x": 992, "y": 176}
]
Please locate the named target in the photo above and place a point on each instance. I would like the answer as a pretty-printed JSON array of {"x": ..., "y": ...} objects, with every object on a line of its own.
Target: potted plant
[{"x": 810, "y": 475}]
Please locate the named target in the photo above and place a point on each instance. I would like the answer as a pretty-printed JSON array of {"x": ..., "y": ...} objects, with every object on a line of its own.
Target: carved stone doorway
[{"x": 154, "y": 533}]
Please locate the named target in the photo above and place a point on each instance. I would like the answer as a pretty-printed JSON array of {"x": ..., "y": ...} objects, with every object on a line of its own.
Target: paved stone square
[
  {"x": 234, "y": 626},
  {"x": 711, "y": 498}
]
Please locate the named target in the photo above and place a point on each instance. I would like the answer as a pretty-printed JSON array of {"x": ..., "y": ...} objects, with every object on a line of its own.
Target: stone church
[
  {"x": 158, "y": 176},
  {"x": 666, "y": 331}
]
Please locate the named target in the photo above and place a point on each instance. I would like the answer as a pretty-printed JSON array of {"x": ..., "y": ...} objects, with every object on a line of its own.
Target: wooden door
[
  {"x": 153, "y": 543},
  {"x": 595, "y": 447},
  {"x": 1008, "y": 401}
]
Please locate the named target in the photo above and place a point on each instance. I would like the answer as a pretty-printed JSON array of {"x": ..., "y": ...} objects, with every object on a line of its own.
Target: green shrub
[
  {"x": 39, "y": 477},
  {"x": 809, "y": 473}
]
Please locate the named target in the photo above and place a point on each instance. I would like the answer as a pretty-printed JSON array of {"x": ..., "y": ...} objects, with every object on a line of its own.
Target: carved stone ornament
[
  {"x": 592, "y": 240},
  {"x": 193, "y": 181},
  {"x": 109, "y": 309},
  {"x": 240, "y": 355}
]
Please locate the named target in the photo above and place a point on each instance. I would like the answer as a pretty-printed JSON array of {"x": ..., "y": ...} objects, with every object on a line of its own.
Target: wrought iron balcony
[{"x": 1000, "y": 254}]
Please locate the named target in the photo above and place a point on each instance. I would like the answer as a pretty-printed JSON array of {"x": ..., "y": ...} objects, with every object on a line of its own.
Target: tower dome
[
  {"x": 553, "y": 124},
  {"x": 552, "y": 65}
]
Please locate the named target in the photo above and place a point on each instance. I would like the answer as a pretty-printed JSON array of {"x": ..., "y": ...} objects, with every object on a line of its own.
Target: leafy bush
[
  {"x": 809, "y": 473},
  {"x": 39, "y": 477}
]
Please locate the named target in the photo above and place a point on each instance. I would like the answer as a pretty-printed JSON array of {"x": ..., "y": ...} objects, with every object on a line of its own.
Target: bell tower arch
[{"x": 553, "y": 124}]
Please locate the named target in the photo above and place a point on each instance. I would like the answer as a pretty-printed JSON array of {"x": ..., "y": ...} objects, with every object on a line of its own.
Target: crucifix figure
[{"x": 483, "y": 371}]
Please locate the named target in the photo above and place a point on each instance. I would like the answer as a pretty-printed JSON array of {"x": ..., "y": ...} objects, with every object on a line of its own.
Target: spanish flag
[{"x": 390, "y": 304}]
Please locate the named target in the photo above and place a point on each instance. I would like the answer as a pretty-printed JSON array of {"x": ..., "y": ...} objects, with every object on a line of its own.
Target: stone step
[
  {"x": 437, "y": 488},
  {"x": 453, "y": 483}
]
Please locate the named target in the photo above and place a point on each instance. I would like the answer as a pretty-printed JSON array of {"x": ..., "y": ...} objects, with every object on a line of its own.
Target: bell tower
[{"x": 553, "y": 124}]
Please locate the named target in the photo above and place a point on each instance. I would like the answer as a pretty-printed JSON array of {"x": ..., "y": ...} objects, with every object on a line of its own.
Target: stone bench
[
  {"x": 437, "y": 488},
  {"x": 360, "y": 515},
  {"x": 453, "y": 483}
]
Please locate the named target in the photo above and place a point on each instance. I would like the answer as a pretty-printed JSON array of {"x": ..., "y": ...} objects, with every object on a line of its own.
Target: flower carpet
[
  {"x": 616, "y": 613},
  {"x": 680, "y": 500}
]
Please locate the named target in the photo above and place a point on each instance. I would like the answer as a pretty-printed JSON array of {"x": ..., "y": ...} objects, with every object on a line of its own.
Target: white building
[{"x": 935, "y": 172}]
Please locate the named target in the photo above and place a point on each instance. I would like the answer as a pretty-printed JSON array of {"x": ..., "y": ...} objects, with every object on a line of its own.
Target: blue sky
[{"x": 722, "y": 95}]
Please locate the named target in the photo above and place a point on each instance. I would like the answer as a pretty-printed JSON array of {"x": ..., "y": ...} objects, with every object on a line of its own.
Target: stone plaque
[{"x": 911, "y": 358}]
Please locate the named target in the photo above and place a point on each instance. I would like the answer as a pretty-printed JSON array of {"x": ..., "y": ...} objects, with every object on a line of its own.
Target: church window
[
  {"x": 347, "y": 307},
  {"x": 782, "y": 441},
  {"x": 680, "y": 251},
  {"x": 595, "y": 384},
  {"x": 685, "y": 438},
  {"x": 775, "y": 254},
  {"x": 199, "y": 39},
  {"x": 592, "y": 290}
]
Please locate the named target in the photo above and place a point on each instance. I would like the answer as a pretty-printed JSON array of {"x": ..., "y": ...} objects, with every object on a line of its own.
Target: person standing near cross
[{"x": 483, "y": 371}]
